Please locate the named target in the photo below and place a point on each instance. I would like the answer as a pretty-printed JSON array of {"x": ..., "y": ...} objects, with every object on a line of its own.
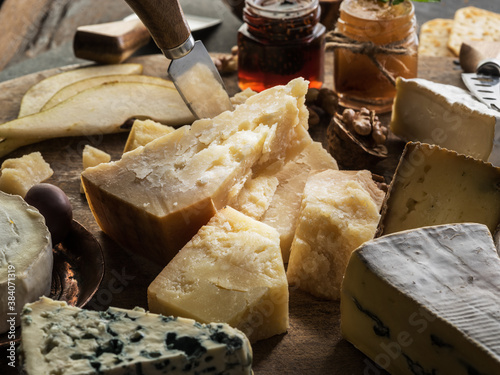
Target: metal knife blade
[
  {"x": 485, "y": 83},
  {"x": 191, "y": 68}
]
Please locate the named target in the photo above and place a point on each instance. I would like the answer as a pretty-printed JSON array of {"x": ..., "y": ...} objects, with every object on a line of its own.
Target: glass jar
[
  {"x": 279, "y": 41},
  {"x": 373, "y": 44}
]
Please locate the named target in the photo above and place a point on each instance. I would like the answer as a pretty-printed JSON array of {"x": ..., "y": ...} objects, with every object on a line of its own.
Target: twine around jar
[{"x": 335, "y": 40}]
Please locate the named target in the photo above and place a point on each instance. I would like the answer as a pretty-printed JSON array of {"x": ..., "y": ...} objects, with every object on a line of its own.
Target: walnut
[
  {"x": 320, "y": 102},
  {"x": 364, "y": 123}
]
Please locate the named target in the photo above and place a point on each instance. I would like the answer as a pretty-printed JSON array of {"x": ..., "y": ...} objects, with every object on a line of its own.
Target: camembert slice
[
  {"x": 433, "y": 186},
  {"x": 231, "y": 272},
  {"x": 66, "y": 340},
  {"x": 426, "y": 301},
  {"x": 25, "y": 258}
]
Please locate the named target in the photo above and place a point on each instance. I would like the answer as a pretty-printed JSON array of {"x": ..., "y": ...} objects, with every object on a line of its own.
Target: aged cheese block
[
  {"x": 283, "y": 210},
  {"x": 339, "y": 212},
  {"x": 66, "y": 340},
  {"x": 25, "y": 258},
  {"x": 231, "y": 272},
  {"x": 434, "y": 186},
  {"x": 18, "y": 175},
  {"x": 156, "y": 197},
  {"x": 145, "y": 131},
  {"x": 444, "y": 115},
  {"x": 426, "y": 301}
]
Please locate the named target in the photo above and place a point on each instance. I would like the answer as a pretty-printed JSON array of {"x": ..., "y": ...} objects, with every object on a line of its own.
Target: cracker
[
  {"x": 473, "y": 24},
  {"x": 434, "y": 35}
]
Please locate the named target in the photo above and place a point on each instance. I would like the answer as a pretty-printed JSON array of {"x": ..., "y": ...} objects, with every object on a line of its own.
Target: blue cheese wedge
[
  {"x": 444, "y": 115},
  {"x": 435, "y": 186},
  {"x": 25, "y": 258},
  {"x": 426, "y": 301},
  {"x": 66, "y": 340}
]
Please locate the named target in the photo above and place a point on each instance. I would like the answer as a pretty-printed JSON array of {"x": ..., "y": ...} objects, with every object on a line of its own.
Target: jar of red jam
[{"x": 279, "y": 41}]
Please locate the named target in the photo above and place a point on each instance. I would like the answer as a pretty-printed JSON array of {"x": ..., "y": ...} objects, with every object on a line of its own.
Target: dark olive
[{"x": 55, "y": 206}]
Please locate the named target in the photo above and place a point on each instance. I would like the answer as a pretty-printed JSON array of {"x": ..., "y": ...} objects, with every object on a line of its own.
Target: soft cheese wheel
[
  {"x": 66, "y": 340},
  {"x": 156, "y": 197},
  {"x": 339, "y": 212},
  {"x": 231, "y": 272},
  {"x": 444, "y": 115},
  {"x": 25, "y": 258},
  {"x": 426, "y": 301},
  {"x": 433, "y": 186}
]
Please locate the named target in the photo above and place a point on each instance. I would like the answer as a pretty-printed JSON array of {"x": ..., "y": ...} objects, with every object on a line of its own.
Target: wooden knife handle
[{"x": 164, "y": 20}]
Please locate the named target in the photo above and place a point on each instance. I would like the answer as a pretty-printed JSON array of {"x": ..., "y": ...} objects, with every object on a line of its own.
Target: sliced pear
[
  {"x": 36, "y": 97},
  {"x": 76, "y": 87},
  {"x": 100, "y": 110}
]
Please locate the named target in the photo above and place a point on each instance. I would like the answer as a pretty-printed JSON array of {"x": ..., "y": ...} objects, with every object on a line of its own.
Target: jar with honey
[
  {"x": 279, "y": 41},
  {"x": 373, "y": 44}
]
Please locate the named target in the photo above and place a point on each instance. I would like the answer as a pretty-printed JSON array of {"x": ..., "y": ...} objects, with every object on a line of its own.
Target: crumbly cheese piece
[
  {"x": 434, "y": 186},
  {"x": 426, "y": 301},
  {"x": 433, "y": 38},
  {"x": 473, "y": 24},
  {"x": 284, "y": 207},
  {"x": 18, "y": 175},
  {"x": 66, "y": 340},
  {"x": 92, "y": 156},
  {"x": 158, "y": 196},
  {"x": 145, "y": 131},
  {"x": 25, "y": 258},
  {"x": 444, "y": 115},
  {"x": 232, "y": 272},
  {"x": 339, "y": 212}
]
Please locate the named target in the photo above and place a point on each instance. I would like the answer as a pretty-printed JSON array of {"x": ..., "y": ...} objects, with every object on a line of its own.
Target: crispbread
[
  {"x": 434, "y": 35},
  {"x": 471, "y": 23}
]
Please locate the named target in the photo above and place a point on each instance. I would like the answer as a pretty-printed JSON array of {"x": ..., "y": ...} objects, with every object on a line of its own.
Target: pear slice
[
  {"x": 76, "y": 87},
  {"x": 36, "y": 97},
  {"x": 101, "y": 110}
]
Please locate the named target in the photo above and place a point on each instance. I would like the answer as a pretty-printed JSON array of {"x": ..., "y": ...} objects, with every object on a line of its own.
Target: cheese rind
[
  {"x": 444, "y": 115},
  {"x": 25, "y": 257},
  {"x": 426, "y": 301},
  {"x": 158, "y": 196},
  {"x": 232, "y": 272},
  {"x": 62, "y": 339},
  {"x": 433, "y": 186},
  {"x": 339, "y": 212}
]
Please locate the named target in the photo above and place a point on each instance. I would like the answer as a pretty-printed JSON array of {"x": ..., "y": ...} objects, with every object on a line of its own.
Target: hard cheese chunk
[
  {"x": 145, "y": 131},
  {"x": 339, "y": 212},
  {"x": 158, "y": 196},
  {"x": 284, "y": 207},
  {"x": 232, "y": 272},
  {"x": 425, "y": 301},
  {"x": 66, "y": 340},
  {"x": 25, "y": 257},
  {"x": 444, "y": 115},
  {"x": 18, "y": 175},
  {"x": 434, "y": 186}
]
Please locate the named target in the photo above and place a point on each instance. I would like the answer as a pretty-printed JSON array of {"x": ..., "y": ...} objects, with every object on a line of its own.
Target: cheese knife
[
  {"x": 485, "y": 83},
  {"x": 191, "y": 68}
]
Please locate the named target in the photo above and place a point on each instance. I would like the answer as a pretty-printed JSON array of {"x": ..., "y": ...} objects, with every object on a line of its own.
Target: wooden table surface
[{"x": 313, "y": 343}]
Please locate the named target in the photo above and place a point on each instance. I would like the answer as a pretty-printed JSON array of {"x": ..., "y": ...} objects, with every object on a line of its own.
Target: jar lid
[{"x": 281, "y": 9}]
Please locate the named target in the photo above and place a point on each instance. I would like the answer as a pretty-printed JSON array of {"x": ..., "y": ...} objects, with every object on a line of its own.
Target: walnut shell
[{"x": 350, "y": 151}]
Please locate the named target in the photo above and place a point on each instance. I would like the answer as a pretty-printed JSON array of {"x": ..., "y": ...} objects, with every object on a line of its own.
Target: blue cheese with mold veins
[
  {"x": 65, "y": 340},
  {"x": 426, "y": 301}
]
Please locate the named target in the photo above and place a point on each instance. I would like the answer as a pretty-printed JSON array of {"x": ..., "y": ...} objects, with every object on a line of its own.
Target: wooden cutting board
[{"x": 313, "y": 344}]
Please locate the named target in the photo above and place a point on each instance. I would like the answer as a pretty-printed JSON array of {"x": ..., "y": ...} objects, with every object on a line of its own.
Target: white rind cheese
[
  {"x": 25, "y": 257},
  {"x": 445, "y": 115},
  {"x": 426, "y": 301},
  {"x": 433, "y": 186},
  {"x": 66, "y": 340}
]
